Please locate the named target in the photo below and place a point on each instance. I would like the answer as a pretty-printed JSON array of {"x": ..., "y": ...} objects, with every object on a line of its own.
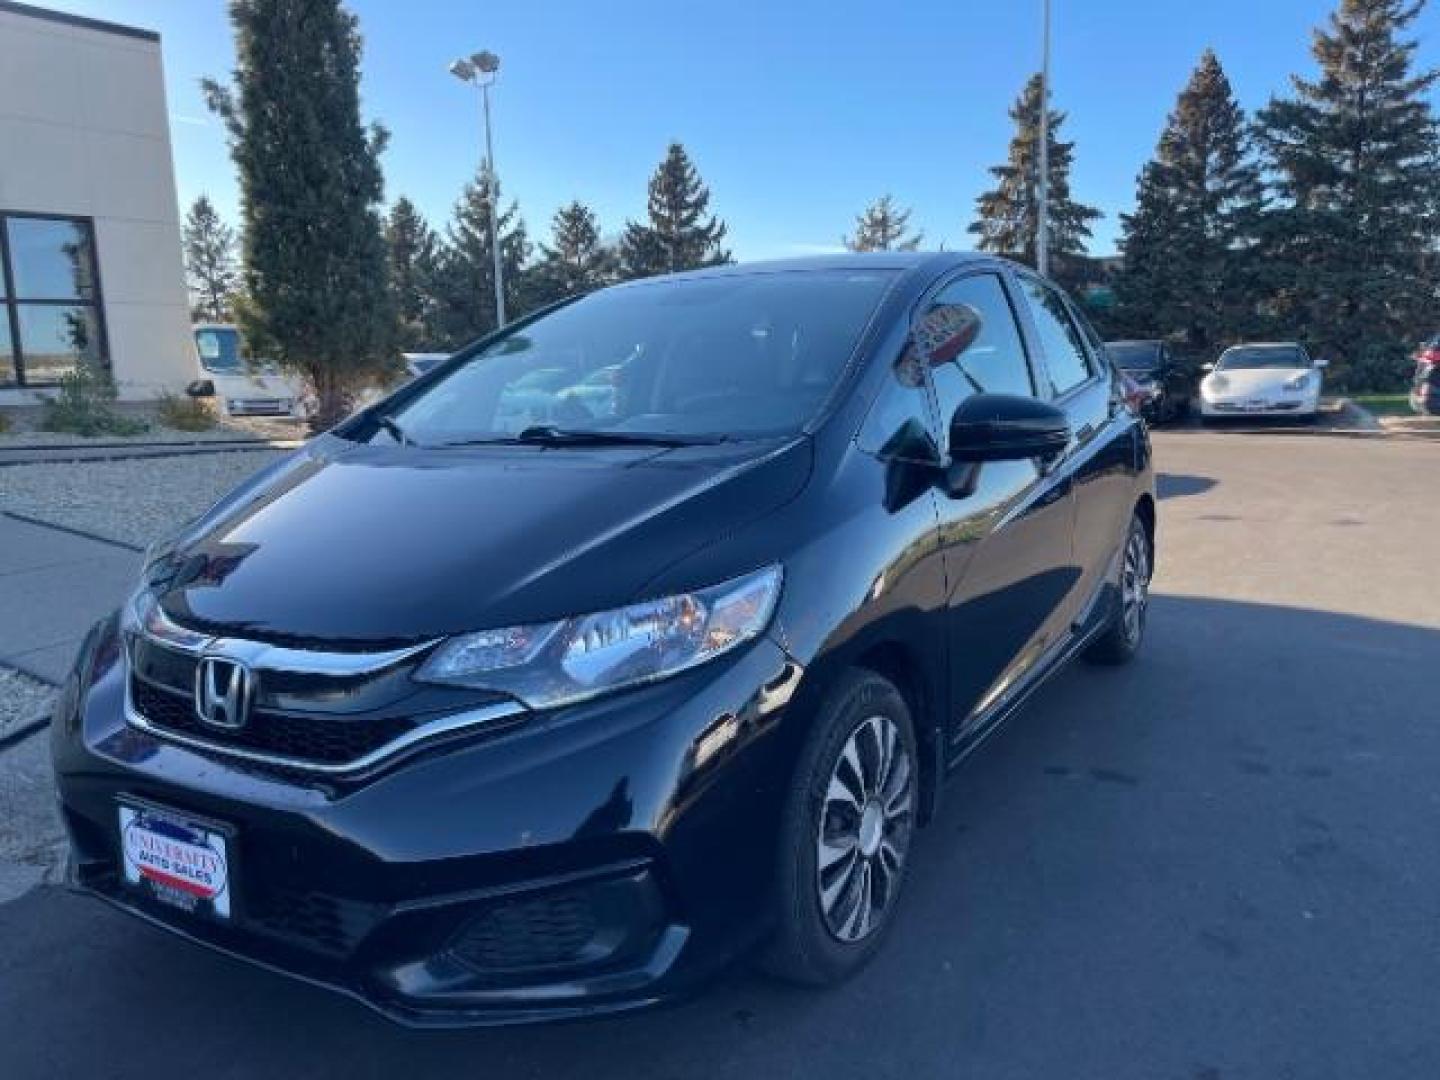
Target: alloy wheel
[
  {"x": 866, "y": 822},
  {"x": 1135, "y": 585}
]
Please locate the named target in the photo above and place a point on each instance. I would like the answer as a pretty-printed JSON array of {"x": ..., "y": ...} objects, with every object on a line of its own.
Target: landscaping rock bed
[
  {"x": 22, "y": 701},
  {"x": 135, "y": 501}
]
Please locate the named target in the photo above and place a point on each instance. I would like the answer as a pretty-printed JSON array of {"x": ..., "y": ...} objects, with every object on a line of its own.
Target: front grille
[
  {"x": 324, "y": 739},
  {"x": 541, "y": 932},
  {"x": 327, "y": 924}
]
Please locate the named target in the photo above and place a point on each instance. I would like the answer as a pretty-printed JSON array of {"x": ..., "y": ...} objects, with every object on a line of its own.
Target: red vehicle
[{"x": 1425, "y": 387}]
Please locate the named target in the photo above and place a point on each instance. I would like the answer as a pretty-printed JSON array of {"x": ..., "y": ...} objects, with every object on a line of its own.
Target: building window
[{"x": 50, "y": 316}]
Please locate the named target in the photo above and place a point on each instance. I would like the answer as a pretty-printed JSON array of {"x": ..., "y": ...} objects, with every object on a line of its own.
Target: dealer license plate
[{"x": 175, "y": 859}]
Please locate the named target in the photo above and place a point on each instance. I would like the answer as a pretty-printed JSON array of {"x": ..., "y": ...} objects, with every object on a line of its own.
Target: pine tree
[
  {"x": 1008, "y": 215},
  {"x": 210, "y": 264},
  {"x": 465, "y": 286},
  {"x": 575, "y": 261},
  {"x": 883, "y": 227},
  {"x": 678, "y": 235},
  {"x": 1356, "y": 162},
  {"x": 1189, "y": 247},
  {"x": 310, "y": 183},
  {"x": 412, "y": 250}
]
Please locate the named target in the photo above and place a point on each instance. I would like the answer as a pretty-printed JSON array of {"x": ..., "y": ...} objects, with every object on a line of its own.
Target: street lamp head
[
  {"x": 463, "y": 70},
  {"x": 486, "y": 62}
]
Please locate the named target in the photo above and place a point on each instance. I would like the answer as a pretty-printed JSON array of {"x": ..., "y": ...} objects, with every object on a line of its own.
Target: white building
[{"x": 90, "y": 258}]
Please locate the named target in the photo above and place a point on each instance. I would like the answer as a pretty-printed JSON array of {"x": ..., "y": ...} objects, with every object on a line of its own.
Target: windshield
[
  {"x": 1257, "y": 357},
  {"x": 219, "y": 350},
  {"x": 1134, "y": 355},
  {"x": 734, "y": 356},
  {"x": 221, "y": 353}
]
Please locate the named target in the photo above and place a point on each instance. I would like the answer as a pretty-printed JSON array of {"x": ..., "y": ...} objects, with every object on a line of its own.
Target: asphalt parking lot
[{"x": 1219, "y": 862}]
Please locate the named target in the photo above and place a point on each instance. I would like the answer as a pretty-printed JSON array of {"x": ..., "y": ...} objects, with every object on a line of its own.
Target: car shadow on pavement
[
  {"x": 1178, "y": 485},
  {"x": 1218, "y": 858}
]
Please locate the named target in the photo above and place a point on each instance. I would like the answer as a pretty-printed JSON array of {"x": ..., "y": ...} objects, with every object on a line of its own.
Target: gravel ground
[
  {"x": 22, "y": 700},
  {"x": 23, "y": 433},
  {"x": 32, "y": 843},
  {"x": 136, "y": 501}
]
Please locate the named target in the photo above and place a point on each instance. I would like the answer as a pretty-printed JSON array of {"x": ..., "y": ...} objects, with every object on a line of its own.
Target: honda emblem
[{"x": 223, "y": 688}]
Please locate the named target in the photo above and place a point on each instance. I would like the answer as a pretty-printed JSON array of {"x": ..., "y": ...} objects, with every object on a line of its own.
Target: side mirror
[
  {"x": 1007, "y": 427},
  {"x": 1207, "y": 368},
  {"x": 944, "y": 332},
  {"x": 1321, "y": 362}
]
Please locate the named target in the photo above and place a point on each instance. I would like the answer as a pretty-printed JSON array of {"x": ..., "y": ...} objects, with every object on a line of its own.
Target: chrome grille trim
[
  {"x": 424, "y": 733},
  {"x": 262, "y": 655}
]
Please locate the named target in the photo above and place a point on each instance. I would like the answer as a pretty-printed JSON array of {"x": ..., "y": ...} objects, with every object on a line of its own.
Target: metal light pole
[
  {"x": 480, "y": 70},
  {"x": 1042, "y": 225}
]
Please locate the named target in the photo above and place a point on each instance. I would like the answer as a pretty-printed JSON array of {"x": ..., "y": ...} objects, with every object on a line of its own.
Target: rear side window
[
  {"x": 995, "y": 363},
  {"x": 1064, "y": 343}
]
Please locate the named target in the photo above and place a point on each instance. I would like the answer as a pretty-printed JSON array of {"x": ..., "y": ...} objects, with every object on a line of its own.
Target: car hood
[
  {"x": 367, "y": 545},
  {"x": 1256, "y": 381}
]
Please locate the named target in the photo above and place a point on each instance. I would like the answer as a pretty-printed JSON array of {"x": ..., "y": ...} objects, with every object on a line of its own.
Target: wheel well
[
  {"x": 898, "y": 664},
  {"x": 1145, "y": 507}
]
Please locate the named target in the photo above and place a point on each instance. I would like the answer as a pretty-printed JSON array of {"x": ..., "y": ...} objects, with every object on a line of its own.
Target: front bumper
[
  {"x": 260, "y": 406},
  {"x": 597, "y": 859},
  {"x": 1240, "y": 407}
]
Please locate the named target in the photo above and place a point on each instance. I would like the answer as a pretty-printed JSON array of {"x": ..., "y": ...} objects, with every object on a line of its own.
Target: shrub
[
  {"x": 1379, "y": 368},
  {"x": 85, "y": 406},
  {"x": 184, "y": 413}
]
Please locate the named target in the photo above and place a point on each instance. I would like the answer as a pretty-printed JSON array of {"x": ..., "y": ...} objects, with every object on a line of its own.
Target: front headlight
[
  {"x": 1299, "y": 382},
  {"x": 563, "y": 662}
]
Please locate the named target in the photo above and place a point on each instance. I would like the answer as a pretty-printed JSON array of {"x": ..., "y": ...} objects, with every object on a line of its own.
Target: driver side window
[{"x": 995, "y": 363}]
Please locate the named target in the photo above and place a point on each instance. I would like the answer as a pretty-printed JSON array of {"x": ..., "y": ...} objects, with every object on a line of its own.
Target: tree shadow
[{"x": 1216, "y": 822}]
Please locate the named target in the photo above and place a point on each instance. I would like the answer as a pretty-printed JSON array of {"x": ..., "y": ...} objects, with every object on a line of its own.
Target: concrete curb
[
  {"x": 1305, "y": 432},
  {"x": 25, "y": 731},
  {"x": 1360, "y": 416},
  {"x": 59, "y": 455},
  {"x": 82, "y": 533},
  {"x": 16, "y": 664}
]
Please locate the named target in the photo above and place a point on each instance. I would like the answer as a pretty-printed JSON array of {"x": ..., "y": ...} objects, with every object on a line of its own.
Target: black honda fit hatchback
[{"x": 629, "y": 640}]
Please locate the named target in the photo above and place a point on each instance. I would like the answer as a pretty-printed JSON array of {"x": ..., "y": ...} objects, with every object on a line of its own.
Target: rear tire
[
  {"x": 1122, "y": 638},
  {"x": 846, "y": 834}
]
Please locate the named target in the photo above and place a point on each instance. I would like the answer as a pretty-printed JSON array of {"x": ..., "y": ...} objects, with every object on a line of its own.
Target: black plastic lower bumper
[{"x": 454, "y": 986}]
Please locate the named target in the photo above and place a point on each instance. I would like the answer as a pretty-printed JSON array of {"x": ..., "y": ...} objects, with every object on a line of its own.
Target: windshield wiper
[
  {"x": 394, "y": 430},
  {"x": 550, "y": 435}
]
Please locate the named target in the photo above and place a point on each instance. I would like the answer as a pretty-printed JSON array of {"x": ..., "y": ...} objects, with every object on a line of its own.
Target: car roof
[
  {"x": 927, "y": 263},
  {"x": 1266, "y": 345}
]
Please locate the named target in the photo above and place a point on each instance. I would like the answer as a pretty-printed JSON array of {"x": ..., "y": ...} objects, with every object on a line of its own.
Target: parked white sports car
[{"x": 1262, "y": 380}]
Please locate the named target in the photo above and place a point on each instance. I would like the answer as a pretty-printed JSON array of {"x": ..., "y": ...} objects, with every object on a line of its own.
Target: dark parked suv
[{"x": 481, "y": 719}]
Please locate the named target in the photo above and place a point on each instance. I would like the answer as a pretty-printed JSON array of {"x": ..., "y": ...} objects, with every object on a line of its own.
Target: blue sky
[{"x": 797, "y": 113}]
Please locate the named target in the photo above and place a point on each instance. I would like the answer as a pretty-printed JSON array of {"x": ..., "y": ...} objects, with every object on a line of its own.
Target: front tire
[
  {"x": 1121, "y": 640},
  {"x": 846, "y": 835}
]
